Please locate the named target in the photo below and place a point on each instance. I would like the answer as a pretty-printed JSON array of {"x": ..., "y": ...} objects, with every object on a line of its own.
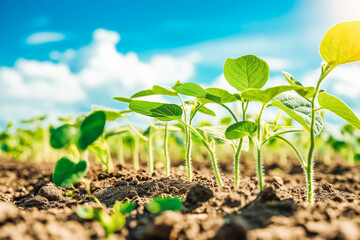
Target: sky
[{"x": 60, "y": 57}]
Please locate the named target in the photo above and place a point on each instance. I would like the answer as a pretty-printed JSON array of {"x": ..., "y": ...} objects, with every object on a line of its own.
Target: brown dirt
[{"x": 31, "y": 207}]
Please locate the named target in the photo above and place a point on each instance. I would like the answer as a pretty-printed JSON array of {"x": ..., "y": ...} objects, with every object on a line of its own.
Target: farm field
[
  {"x": 210, "y": 212},
  {"x": 258, "y": 153}
]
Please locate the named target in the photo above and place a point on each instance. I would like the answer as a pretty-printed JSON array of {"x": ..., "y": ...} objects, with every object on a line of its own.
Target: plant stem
[
  {"x": 211, "y": 152},
  {"x": 309, "y": 169},
  {"x": 166, "y": 150},
  {"x": 87, "y": 188},
  {"x": 136, "y": 152},
  {"x": 150, "y": 153},
  {"x": 229, "y": 110},
  {"x": 187, "y": 142},
  {"x": 259, "y": 167},
  {"x": 121, "y": 151},
  {"x": 238, "y": 151},
  {"x": 303, "y": 164}
]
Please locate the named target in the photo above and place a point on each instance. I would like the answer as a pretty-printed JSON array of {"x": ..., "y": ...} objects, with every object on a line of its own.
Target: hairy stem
[
  {"x": 309, "y": 169},
  {"x": 150, "y": 153},
  {"x": 238, "y": 151},
  {"x": 121, "y": 151},
  {"x": 166, "y": 150},
  {"x": 136, "y": 152},
  {"x": 211, "y": 152},
  {"x": 259, "y": 167}
]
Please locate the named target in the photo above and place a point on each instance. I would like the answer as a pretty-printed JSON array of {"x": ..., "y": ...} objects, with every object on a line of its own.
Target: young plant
[
  {"x": 248, "y": 74},
  {"x": 110, "y": 223},
  {"x": 71, "y": 169},
  {"x": 340, "y": 45},
  {"x": 161, "y": 204}
]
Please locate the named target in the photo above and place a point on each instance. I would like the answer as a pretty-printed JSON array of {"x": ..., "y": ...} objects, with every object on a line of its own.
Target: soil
[{"x": 31, "y": 207}]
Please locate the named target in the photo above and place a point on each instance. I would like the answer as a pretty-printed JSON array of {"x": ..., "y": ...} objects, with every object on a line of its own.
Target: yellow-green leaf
[{"x": 341, "y": 44}]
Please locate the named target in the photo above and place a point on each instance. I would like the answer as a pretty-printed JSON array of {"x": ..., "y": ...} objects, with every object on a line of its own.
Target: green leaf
[
  {"x": 191, "y": 89},
  {"x": 160, "y": 204},
  {"x": 123, "y": 207},
  {"x": 156, "y": 90},
  {"x": 246, "y": 72},
  {"x": 161, "y": 111},
  {"x": 123, "y": 99},
  {"x": 91, "y": 129},
  {"x": 85, "y": 212},
  {"x": 338, "y": 107},
  {"x": 207, "y": 111},
  {"x": 306, "y": 92},
  {"x": 67, "y": 172},
  {"x": 62, "y": 136},
  {"x": 217, "y": 95},
  {"x": 111, "y": 114},
  {"x": 341, "y": 44},
  {"x": 298, "y": 109},
  {"x": 240, "y": 129},
  {"x": 226, "y": 120},
  {"x": 265, "y": 96}
]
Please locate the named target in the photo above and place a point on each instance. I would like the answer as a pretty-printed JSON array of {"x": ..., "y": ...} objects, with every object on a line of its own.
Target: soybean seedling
[
  {"x": 248, "y": 74},
  {"x": 161, "y": 204},
  {"x": 71, "y": 169},
  {"x": 340, "y": 45},
  {"x": 110, "y": 223}
]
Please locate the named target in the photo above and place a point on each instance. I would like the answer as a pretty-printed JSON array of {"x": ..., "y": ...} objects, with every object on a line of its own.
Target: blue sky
[{"x": 60, "y": 57}]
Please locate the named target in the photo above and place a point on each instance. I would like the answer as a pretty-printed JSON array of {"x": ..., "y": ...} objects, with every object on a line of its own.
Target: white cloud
[
  {"x": 92, "y": 74},
  {"x": 44, "y": 37}
]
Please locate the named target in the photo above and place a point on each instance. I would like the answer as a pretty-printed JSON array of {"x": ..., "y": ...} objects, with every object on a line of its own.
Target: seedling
[
  {"x": 340, "y": 45},
  {"x": 161, "y": 204},
  {"x": 110, "y": 223},
  {"x": 68, "y": 171}
]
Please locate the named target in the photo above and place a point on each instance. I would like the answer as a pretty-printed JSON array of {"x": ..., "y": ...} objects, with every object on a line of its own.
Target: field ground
[{"x": 31, "y": 207}]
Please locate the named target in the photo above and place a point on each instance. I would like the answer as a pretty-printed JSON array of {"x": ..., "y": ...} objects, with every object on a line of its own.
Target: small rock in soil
[
  {"x": 50, "y": 192},
  {"x": 199, "y": 194},
  {"x": 278, "y": 180},
  {"x": 37, "y": 201}
]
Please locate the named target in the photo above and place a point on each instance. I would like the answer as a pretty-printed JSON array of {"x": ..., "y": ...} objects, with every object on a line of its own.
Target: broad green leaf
[
  {"x": 123, "y": 99},
  {"x": 246, "y": 72},
  {"x": 306, "y": 92},
  {"x": 67, "y": 172},
  {"x": 265, "y": 96},
  {"x": 62, "y": 136},
  {"x": 156, "y": 90},
  {"x": 207, "y": 111},
  {"x": 298, "y": 109},
  {"x": 191, "y": 89},
  {"x": 123, "y": 207},
  {"x": 161, "y": 111},
  {"x": 222, "y": 96},
  {"x": 338, "y": 107},
  {"x": 160, "y": 204},
  {"x": 195, "y": 90},
  {"x": 240, "y": 129},
  {"x": 341, "y": 44},
  {"x": 226, "y": 120},
  {"x": 91, "y": 129}
]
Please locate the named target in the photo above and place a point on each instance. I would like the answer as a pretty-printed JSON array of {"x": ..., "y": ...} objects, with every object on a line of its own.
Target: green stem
[
  {"x": 121, "y": 151},
  {"x": 229, "y": 110},
  {"x": 259, "y": 167},
  {"x": 136, "y": 152},
  {"x": 238, "y": 151},
  {"x": 166, "y": 150},
  {"x": 211, "y": 152},
  {"x": 150, "y": 153},
  {"x": 87, "y": 188},
  {"x": 187, "y": 142},
  {"x": 303, "y": 164},
  {"x": 309, "y": 169}
]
